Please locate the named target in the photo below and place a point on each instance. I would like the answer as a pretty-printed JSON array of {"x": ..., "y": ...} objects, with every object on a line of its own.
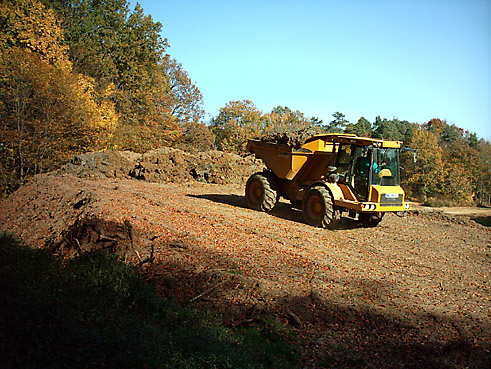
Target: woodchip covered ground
[{"x": 413, "y": 292}]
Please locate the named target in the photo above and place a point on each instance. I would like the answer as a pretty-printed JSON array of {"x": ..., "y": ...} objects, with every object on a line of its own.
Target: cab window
[{"x": 385, "y": 168}]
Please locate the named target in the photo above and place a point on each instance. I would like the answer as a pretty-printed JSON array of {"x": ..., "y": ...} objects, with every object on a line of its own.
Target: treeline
[{"x": 87, "y": 75}]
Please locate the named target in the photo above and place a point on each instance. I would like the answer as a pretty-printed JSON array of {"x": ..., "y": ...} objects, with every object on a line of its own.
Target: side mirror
[{"x": 414, "y": 151}]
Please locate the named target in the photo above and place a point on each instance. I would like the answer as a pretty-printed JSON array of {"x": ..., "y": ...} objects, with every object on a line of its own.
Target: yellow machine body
[{"x": 312, "y": 163}]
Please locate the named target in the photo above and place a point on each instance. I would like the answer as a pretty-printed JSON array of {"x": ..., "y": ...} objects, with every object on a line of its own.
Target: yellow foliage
[
  {"x": 48, "y": 115},
  {"x": 427, "y": 176},
  {"x": 30, "y": 25},
  {"x": 104, "y": 119}
]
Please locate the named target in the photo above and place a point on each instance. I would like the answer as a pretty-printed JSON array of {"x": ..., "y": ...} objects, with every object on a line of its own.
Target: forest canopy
[{"x": 91, "y": 75}]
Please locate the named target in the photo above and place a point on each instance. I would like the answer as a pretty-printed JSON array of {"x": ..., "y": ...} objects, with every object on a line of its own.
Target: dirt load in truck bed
[{"x": 413, "y": 292}]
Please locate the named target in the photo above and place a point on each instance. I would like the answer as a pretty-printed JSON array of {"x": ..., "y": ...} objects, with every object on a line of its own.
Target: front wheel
[
  {"x": 317, "y": 207},
  {"x": 370, "y": 219},
  {"x": 260, "y": 192}
]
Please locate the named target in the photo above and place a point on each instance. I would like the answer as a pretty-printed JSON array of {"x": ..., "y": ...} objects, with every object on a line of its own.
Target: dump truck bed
[{"x": 293, "y": 164}]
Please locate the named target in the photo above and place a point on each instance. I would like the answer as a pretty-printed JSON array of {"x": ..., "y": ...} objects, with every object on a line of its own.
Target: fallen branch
[
  {"x": 212, "y": 288},
  {"x": 243, "y": 322},
  {"x": 295, "y": 320},
  {"x": 78, "y": 244},
  {"x": 149, "y": 259}
]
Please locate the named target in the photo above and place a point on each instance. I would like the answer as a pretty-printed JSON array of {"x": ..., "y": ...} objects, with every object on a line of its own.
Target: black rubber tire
[
  {"x": 317, "y": 207},
  {"x": 370, "y": 219},
  {"x": 297, "y": 204},
  {"x": 260, "y": 192}
]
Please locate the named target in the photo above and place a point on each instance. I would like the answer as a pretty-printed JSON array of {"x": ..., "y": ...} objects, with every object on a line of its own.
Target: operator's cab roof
[{"x": 348, "y": 138}]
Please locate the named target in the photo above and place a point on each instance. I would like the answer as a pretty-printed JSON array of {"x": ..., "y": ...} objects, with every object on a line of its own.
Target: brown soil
[
  {"x": 413, "y": 292},
  {"x": 164, "y": 165}
]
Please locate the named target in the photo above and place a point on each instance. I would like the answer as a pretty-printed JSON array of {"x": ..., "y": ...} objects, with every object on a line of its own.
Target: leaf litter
[{"x": 413, "y": 292}]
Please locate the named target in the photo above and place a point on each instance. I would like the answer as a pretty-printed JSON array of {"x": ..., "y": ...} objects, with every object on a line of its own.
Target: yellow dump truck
[{"x": 328, "y": 177}]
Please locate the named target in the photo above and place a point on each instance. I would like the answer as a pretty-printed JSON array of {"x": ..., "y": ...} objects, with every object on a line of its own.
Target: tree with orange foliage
[
  {"x": 152, "y": 93},
  {"x": 48, "y": 112},
  {"x": 425, "y": 178}
]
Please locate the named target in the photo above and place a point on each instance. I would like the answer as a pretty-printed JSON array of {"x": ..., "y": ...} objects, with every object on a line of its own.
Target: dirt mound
[
  {"x": 66, "y": 214},
  {"x": 164, "y": 165},
  {"x": 105, "y": 164},
  {"x": 71, "y": 210}
]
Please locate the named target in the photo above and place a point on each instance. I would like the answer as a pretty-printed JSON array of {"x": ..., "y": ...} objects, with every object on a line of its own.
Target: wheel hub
[
  {"x": 256, "y": 192},
  {"x": 315, "y": 207}
]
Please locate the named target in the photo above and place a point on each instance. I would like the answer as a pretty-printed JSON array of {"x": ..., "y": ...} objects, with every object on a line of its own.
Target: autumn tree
[
  {"x": 196, "y": 137},
  {"x": 153, "y": 94},
  {"x": 462, "y": 163},
  {"x": 236, "y": 122},
  {"x": 109, "y": 43},
  {"x": 452, "y": 167},
  {"x": 26, "y": 24},
  {"x": 48, "y": 112},
  {"x": 465, "y": 163},
  {"x": 185, "y": 98},
  {"x": 284, "y": 119},
  {"x": 113, "y": 45},
  {"x": 435, "y": 126},
  {"x": 483, "y": 187},
  {"x": 425, "y": 178},
  {"x": 464, "y": 173}
]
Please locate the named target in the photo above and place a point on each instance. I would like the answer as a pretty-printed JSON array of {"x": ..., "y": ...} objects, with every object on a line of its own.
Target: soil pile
[
  {"x": 164, "y": 165},
  {"x": 105, "y": 164},
  {"x": 64, "y": 214},
  {"x": 293, "y": 139}
]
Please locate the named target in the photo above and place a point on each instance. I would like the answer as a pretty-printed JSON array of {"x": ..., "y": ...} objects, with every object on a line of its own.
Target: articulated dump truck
[{"x": 330, "y": 176}]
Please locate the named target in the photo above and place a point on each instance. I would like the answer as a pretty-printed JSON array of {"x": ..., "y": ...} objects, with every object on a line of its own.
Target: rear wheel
[
  {"x": 260, "y": 192},
  {"x": 317, "y": 207},
  {"x": 371, "y": 219}
]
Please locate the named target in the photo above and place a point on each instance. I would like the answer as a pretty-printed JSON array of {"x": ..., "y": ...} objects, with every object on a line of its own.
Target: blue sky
[{"x": 413, "y": 60}]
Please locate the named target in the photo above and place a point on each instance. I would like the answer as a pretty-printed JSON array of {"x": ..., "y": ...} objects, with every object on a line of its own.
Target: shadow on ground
[
  {"x": 336, "y": 335},
  {"x": 485, "y": 221},
  {"x": 281, "y": 210}
]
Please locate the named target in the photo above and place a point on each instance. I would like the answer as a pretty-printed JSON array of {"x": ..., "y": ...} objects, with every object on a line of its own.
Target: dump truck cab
[
  {"x": 330, "y": 176},
  {"x": 364, "y": 163}
]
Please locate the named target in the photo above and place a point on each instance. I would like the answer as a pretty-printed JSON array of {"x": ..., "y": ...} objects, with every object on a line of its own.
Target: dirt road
[{"x": 414, "y": 292}]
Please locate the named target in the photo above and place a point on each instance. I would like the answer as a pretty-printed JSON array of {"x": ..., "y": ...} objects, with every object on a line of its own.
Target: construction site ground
[{"x": 414, "y": 292}]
